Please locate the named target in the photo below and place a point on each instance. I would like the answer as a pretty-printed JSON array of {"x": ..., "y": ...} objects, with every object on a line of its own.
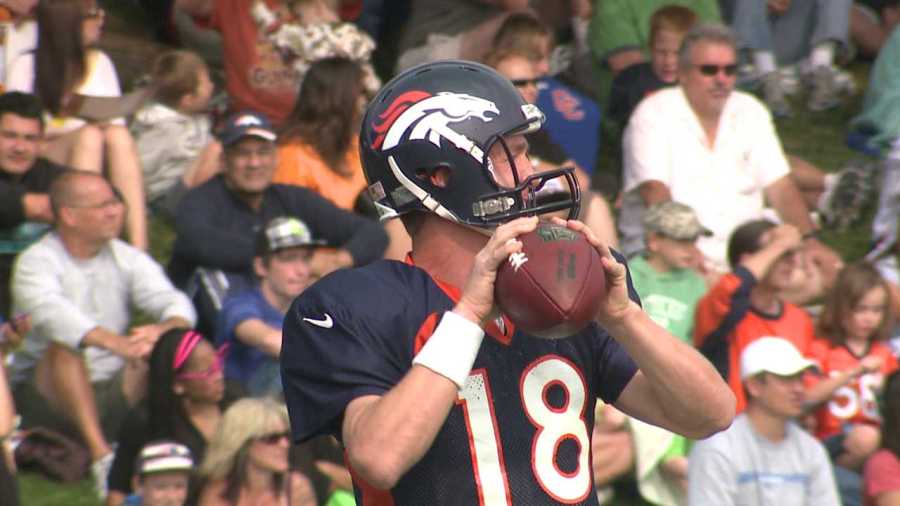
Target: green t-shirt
[
  {"x": 670, "y": 298},
  {"x": 625, "y": 24}
]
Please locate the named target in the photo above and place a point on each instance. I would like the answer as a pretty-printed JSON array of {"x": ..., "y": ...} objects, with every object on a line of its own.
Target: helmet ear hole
[{"x": 436, "y": 176}]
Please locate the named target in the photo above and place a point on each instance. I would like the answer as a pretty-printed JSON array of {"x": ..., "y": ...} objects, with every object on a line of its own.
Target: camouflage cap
[{"x": 675, "y": 221}]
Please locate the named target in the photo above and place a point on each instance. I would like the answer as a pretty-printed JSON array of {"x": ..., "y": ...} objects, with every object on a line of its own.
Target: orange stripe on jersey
[
  {"x": 370, "y": 495},
  {"x": 501, "y": 330},
  {"x": 425, "y": 332}
]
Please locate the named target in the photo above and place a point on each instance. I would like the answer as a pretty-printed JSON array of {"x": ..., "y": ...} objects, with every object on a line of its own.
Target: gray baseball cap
[{"x": 675, "y": 221}]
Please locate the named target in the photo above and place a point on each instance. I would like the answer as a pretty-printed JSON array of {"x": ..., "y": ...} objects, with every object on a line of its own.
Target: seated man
[
  {"x": 80, "y": 369},
  {"x": 216, "y": 222},
  {"x": 764, "y": 458},
  {"x": 250, "y": 321},
  {"x": 25, "y": 178},
  {"x": 713, "y": 148}
]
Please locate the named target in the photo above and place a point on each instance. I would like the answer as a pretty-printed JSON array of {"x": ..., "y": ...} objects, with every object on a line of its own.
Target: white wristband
[{"x": 452, "y": 348}]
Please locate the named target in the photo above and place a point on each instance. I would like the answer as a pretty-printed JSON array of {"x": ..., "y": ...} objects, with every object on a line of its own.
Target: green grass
[{"x": 35, "y": 490}]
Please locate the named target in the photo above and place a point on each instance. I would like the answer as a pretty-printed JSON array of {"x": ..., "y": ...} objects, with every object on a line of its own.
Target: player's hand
[
  {"x": 617, "y": 304},
  {"x": 477, "y": 300}
]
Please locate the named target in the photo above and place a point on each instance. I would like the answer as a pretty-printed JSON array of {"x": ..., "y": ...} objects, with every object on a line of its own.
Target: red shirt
[
  {"x": 881, "y": 475},
  {"x": 257, "y": 76},
  {"x": 726, "y": 323},
  {"x": 856, "y": 401}
]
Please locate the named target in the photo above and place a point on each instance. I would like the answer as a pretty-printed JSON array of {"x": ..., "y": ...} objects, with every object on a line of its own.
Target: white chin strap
[{"x": 423, "y": 196}]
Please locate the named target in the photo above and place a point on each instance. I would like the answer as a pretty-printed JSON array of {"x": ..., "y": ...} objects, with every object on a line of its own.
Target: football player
[{"x": 436, "y": 398}]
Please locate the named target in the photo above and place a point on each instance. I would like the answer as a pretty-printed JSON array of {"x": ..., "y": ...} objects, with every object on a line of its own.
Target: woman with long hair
[
  {"x": 882, "y": 470},
  {"x": 319, "y": 146},
  {"x": 66, "y": 64},
  {"x": 246, "y": 463},
  {"x": 186, "y": 388},
  {"x": 319, "y": 140}
]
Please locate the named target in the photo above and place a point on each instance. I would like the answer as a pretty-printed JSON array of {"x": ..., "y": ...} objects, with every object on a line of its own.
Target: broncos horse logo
[{"x": 419, "y": 115}]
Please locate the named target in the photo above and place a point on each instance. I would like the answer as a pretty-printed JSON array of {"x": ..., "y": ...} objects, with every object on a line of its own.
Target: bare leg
[
  {"x": 126, "y": 175},
  {"x": 62, "y": 378},
  {"x": 867, "y": 33},
  {"x": 80, "y": 149}
]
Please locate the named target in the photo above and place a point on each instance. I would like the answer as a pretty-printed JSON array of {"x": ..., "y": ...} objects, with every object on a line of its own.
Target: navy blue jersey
[{"x": 520, "y": 431}]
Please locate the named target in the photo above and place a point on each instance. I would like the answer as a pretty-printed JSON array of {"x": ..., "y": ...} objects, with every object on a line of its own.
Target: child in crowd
[
  {"x": 173, "y": 132},
  {"x": 882, "y": 471},
  {"x": 854, "y": 359},
  {"x": 311, "y": 30},
  {"x": 164, "y": 468},
  {"x": 669, "y": 290},
  {"x": 668, "y": 25},
  {"x": 664, "y": 276},
  {"x": 748, "y": 302}
]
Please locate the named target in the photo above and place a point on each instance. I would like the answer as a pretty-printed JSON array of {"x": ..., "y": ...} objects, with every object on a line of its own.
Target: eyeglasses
[
  {"x": 274, "y": 438},
  {"x": 711, "y": 70},
  {"x": 521, "y": 83},
  {"x": 213, "y": 369}
]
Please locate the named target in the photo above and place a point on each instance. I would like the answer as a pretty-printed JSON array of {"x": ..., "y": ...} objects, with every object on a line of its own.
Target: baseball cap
[
  {"x": 675, "y": 221},
  {"x": 282, "y": 233},
  {"x": 246, "y": 124},
  {"x": 163, "y": 456},
  {"x": 773, "y": 355}
]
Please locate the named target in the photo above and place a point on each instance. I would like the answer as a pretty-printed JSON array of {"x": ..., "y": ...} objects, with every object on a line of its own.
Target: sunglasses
[
  {"x": 521, "y": 83},
  {"x": 711, "y": 70},
  {"x": 273, "y": 438},
  {"x": 216, "y": 367}
]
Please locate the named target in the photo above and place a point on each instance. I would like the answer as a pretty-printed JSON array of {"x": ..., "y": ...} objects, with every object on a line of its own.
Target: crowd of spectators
[{"x": 168, "y": 374}]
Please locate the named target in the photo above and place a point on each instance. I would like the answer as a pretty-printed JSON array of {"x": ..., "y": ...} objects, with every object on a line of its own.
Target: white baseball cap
[{"x": 774, "y": 355}]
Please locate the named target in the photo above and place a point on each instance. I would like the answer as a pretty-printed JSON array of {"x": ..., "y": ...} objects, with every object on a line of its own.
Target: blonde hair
[{"x": 243, "y": 421}]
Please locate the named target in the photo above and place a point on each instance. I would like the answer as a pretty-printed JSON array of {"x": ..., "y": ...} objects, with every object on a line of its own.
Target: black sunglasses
[
  {"x": 273, "y": 438},
  {"x": 711, "y": 70},
  {"x": 521, "y": 83}
]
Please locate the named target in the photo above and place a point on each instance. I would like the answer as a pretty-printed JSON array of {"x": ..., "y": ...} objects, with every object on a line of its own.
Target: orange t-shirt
[
  {"x": 299, "y": 164},
  {"x": 257, "y": 76},
  {"x": 855, "y": 402},
  {"x": 725, "y": 324}
]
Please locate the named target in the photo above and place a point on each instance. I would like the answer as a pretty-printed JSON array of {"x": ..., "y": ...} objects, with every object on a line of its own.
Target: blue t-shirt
[{"x": 243, "y": 360}]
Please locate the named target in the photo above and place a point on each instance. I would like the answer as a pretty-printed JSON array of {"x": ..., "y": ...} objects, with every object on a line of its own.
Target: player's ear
[{"x": 440, "y": 177}]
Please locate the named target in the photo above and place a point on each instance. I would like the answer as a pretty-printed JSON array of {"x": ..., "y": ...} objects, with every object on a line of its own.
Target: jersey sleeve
[
  {"x": 719, "y": 312},
  {"x": 340, "y": 342}
]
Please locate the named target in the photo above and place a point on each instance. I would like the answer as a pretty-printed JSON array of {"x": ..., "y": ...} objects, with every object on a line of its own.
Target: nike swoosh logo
[{"x": 325, "y": 323}]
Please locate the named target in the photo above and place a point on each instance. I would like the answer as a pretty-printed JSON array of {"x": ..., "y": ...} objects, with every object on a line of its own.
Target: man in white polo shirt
[{"x": 713, "y": 148}]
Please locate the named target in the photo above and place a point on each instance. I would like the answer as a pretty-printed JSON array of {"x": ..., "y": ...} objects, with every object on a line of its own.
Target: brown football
[{"x": 554, "y": 286}]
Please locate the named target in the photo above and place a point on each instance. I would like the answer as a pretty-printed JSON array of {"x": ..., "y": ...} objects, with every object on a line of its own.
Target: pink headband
[{"x": 188, "y": 342}]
